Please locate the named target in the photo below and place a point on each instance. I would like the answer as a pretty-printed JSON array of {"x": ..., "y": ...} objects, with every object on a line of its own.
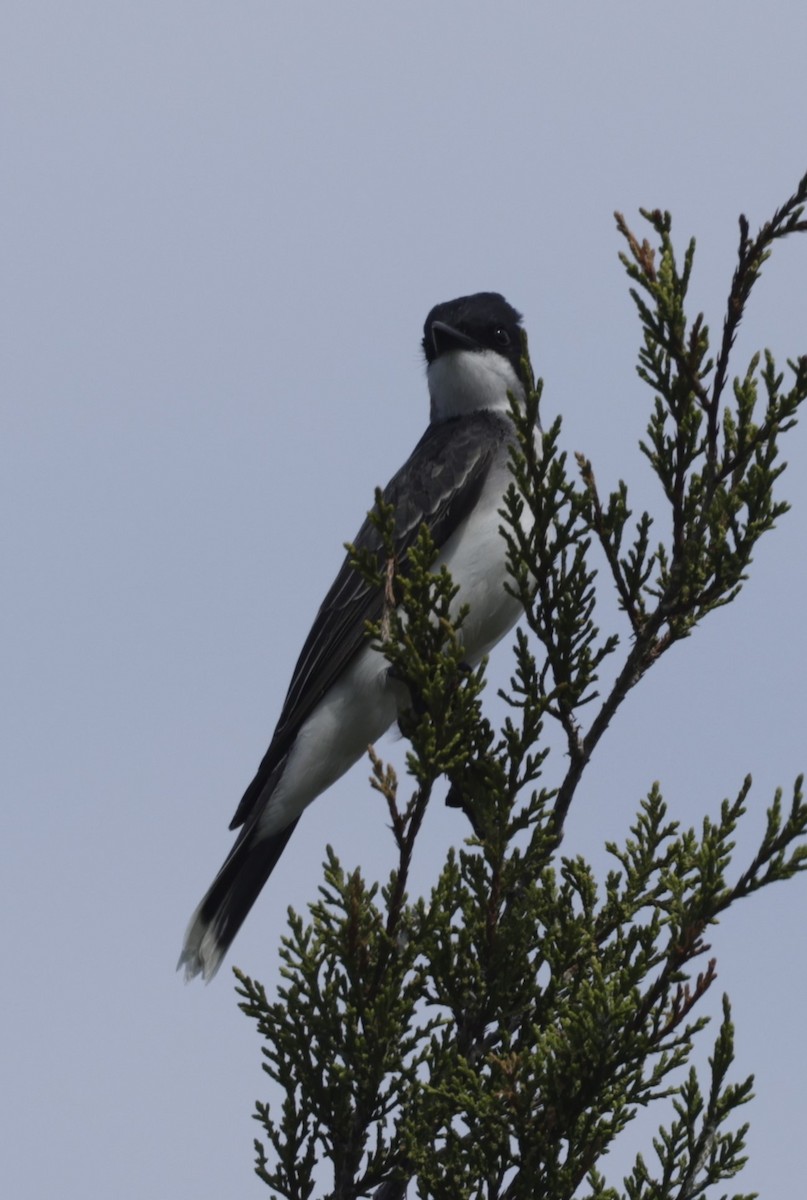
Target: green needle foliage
[{"x": 491, "y": 1039}]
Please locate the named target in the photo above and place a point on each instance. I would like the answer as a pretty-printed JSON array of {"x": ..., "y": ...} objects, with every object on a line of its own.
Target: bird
[{"x": 343, "y": 695}]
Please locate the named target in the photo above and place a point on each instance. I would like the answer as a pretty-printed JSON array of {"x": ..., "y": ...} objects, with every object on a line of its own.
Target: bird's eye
[{"x": 502, "y": 336}]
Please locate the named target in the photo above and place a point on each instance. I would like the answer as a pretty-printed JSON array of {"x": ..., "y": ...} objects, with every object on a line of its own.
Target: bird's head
[{"x": 473, "y": 354}]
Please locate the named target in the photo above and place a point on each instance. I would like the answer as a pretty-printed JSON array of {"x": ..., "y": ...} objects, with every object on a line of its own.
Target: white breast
[{"x": 476, "y": 556}]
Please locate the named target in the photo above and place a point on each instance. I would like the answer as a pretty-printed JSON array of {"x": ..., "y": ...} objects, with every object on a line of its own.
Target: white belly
[{"x": 353, "y": 714}]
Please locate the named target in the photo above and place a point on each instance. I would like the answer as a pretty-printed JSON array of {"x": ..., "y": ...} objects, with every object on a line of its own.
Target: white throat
[{"x": 465, "y": 381}]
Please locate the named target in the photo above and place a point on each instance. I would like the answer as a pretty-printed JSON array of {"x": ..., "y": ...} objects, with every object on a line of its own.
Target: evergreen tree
[{"x": 492, "y": 1038}]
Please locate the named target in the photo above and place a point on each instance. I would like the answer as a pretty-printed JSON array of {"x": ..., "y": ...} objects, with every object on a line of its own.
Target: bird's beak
[{"x": 446, "y": 337}]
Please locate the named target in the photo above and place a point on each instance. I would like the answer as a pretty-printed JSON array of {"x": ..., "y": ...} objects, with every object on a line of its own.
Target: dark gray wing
[{"x": 437, "y": 486}]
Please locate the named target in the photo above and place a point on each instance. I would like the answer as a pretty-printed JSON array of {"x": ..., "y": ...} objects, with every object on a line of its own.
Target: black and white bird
[{"x": 341, "y": 698}]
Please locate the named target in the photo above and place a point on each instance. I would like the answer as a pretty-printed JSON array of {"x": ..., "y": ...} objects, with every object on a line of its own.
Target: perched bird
[{"x": 342, "y": 697}]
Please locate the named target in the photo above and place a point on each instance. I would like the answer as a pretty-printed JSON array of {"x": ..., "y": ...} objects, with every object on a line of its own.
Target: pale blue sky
[{"x": 223, "y": 225}]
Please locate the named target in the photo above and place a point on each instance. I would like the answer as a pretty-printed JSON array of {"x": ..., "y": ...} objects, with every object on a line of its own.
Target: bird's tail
[{"x": 228, "y": 900}]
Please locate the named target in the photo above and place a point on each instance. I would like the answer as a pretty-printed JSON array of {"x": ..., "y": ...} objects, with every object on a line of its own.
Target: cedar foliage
[{"x": 491, "y": 1039}]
